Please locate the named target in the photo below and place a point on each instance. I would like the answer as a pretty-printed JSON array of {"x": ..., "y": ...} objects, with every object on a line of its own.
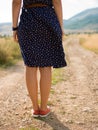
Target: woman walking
[{"x": 39, "y": 33}]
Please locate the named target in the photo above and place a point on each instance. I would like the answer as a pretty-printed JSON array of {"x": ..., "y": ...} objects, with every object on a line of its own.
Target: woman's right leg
[
  {"x": 32, "y": 85},
  {"x": 45, "y": 85}
]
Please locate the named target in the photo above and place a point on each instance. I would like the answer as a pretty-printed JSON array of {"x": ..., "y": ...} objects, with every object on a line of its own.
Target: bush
[{"x": 9, "y": 51}]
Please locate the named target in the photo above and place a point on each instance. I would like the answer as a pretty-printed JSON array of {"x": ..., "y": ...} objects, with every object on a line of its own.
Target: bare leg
[
  {"x": 32, "y": 85},
  {"x": 45, "y": 85}
]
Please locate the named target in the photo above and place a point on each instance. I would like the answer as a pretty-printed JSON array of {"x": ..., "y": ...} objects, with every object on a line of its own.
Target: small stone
[
  {"x": 79, "y": 123},
  {"x": 75, "y": 105},
  {"x": 87, "y": 109},
  {"x": 16, "y": 113},
  {"x": 24, "y": 113},
  {"x": 83, "y": 98},
  {"x": 27, "y": 94},
  {"x": 69, "y": 121},
  {"x": 29, "y": 106},
  {"x": 14, "y": 108},
  {"x": 73, "y": 97},
  {"x": 95, "y": 102},
  {"x": 24, "y": 102},
  {"x": 25, "y": 107},
  {"x": 21, "y": 127},
  {"x": 23, "y": 120}
]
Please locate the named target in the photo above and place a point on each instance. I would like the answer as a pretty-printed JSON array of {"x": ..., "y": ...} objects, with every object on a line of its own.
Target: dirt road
[{"x": 74, "y": 101}]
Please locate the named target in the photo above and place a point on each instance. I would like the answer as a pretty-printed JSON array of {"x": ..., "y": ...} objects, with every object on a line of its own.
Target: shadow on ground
[{"x": 54, "y": 122}]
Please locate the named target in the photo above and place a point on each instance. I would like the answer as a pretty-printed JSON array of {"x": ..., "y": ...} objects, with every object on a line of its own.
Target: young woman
[{"x": 39, "y": 34}]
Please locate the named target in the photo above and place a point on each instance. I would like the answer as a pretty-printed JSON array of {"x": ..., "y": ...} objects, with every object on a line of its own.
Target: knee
[
  {"x": 45, "y": 68},
  {"x": 31, "y": 69}
]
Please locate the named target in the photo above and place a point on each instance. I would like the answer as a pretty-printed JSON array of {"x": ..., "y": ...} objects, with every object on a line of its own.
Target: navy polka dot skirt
[{"x": 40, "y": 38}]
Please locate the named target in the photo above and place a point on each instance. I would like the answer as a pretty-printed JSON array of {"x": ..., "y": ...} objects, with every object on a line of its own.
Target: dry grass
[
  {"x": 64, "y": 37},
  {"x": 9, "y": 52},
  {"x": 89, "y": 41}
]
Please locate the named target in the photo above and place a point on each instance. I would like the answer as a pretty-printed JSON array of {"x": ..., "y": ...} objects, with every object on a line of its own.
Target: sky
[{"x": 70, "y": 8}]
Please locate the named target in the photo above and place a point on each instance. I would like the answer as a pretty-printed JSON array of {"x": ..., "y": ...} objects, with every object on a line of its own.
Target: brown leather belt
[{"x": 35, "y": 5}]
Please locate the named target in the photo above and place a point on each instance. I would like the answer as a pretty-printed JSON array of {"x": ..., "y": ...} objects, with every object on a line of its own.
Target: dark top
[{"x": 28, "y": 2}]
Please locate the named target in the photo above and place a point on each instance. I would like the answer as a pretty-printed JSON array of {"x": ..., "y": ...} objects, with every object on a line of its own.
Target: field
[{"x": 89, "y": 41}]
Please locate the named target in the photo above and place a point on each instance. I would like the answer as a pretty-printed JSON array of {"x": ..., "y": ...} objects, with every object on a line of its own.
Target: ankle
[
  {"x": 43, "y": 108},
  {"x": 36, "y": 107}
]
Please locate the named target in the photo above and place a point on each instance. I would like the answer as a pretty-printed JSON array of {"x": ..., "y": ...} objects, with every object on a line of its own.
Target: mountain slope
[
  {"x": 86, "y": 20},
  {"x": 5, "y": 29}
]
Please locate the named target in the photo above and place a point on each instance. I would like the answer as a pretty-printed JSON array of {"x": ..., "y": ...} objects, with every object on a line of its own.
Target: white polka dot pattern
[{"x": 40, "y": 38}]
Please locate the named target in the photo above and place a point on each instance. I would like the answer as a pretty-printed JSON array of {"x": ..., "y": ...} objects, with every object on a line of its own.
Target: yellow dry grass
[
  {"x": 9, "y": 52},
  {"x": 89, "y": 41}
]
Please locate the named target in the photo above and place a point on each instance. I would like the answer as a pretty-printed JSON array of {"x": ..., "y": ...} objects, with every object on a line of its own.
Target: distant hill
[
  {"x": 84, "y": 21},
  {"x": 5, "y": 29}
]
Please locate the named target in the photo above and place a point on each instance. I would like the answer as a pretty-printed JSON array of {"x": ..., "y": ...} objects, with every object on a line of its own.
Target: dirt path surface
[{"x": 74, "y": 101}]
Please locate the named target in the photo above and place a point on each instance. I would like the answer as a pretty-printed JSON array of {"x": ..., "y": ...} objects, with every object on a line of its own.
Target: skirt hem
[{"x": 54, "y": 66}]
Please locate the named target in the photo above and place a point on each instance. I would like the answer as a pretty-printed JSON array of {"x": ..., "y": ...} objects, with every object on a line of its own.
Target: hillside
[
  {"x": 86, "y": 20},
  {"x": 5, "y": 29}
]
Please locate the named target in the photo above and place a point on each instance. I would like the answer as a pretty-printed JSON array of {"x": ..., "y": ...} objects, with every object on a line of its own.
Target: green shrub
[{"x": 57, "y": 76}]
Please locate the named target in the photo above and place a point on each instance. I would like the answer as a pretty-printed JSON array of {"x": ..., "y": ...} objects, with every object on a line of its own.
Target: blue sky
[{"x": 70, "y": 8}]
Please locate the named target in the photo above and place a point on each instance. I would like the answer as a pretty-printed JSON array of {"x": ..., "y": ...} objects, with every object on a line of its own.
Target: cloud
[{"x": 5, "y": 11}]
